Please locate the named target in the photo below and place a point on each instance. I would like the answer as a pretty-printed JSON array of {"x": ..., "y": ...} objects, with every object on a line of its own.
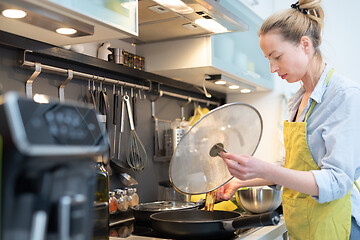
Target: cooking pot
[
  {"x": 142, "y": 211},
  {"x": 199, "y": 224},
  {"x": 258, "y": 199}
]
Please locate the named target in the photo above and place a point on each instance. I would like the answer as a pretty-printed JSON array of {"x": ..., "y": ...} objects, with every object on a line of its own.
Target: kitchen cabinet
[
  {"x": 98, "y": 21},
  {"x": 118, "y": 14},
  {"x": 236, "y": 56}
]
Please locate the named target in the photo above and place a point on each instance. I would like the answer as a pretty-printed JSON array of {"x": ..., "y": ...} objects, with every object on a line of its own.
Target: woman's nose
[{"x": 273, "y": 68}]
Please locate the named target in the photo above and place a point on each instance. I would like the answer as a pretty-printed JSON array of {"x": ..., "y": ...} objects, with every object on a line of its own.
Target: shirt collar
[
  {"x": 316, "y": 95},
  {"x": 320, "y": 87}
]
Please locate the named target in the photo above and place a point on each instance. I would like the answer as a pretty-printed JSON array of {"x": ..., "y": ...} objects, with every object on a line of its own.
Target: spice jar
[
  {"x": 113, "y": 203},
  {"x": 133, "y": 197},
  {"x": 122, "y": 198}
]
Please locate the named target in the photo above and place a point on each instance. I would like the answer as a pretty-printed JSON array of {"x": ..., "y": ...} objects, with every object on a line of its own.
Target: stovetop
[{"x": 132, "y": 228}]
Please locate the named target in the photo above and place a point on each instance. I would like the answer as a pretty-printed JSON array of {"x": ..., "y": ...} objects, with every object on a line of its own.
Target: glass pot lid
[{"x": 195, "y": 166}]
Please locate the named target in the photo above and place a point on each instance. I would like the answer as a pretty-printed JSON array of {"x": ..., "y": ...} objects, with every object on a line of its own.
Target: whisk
[{"x": 136, "y": 154}]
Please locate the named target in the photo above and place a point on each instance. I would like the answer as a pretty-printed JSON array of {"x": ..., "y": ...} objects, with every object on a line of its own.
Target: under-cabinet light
[
  {"x": 211, "y": 25},
  {"x": 66, "y": 31},
  {"x": 245, "y": 90},
  {"x": 176, "y": 6},
  {"x": 234, "y": 87},
  {"x": 41, "y": 98},
  {"x": 220, "y": 82},
  {"x": 14, "y": 13}
]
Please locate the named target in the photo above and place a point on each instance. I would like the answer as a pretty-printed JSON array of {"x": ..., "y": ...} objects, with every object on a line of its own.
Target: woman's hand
[
  {"x": 244, "y": 167},
  {"x": 226, "y": 191}
]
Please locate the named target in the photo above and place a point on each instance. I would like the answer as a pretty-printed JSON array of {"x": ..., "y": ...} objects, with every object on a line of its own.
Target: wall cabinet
[{"x": 235, "y": 55}]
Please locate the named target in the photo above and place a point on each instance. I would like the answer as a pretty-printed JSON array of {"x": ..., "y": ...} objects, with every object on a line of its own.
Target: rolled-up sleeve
[{"x": 335, "y": 146}]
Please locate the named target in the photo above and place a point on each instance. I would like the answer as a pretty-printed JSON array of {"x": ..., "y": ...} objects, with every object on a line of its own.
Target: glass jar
[
  {"x": 113, "y": 203},
  {"x": 133, "y": 197},
  {"x": 122, "y": 198}
]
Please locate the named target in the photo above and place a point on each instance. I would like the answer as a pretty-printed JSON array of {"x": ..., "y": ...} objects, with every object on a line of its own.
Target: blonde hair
[{"x": 294, "y": 23}]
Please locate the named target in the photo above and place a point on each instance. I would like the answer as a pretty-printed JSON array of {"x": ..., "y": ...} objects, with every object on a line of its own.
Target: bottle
[
  {"x": 101, "y": 202},
  {"x": 102, "y": 182}
]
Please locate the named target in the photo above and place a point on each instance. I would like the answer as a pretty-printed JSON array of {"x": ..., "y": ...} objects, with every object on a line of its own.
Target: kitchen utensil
[
  {"x": 143, "y": 211},
  {"x": 133, "y": 101},
  {"x": 115, "y": 117},
  {"x": 198, "y": 224},
  {"x": 121, "y": 121},
  {"x": 235, "y": 127},
  {"x": 136, "y": 154},
  {"x": 258, "y": 199},
  {"x": 117, "y": 160},
  {"x": 127, "y": 180}
]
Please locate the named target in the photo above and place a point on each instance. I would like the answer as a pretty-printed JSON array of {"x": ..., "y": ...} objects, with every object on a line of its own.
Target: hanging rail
[{"x": 108, "y": 80}]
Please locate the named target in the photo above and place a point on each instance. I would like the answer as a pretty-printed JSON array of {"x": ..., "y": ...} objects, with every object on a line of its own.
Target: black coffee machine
[{"x": 47, "y": 156}]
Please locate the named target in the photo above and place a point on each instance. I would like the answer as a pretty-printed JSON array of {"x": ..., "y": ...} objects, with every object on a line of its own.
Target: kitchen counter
[{"x": 277, "y": 232}]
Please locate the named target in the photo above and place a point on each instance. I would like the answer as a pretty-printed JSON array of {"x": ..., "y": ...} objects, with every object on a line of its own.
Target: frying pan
[
  {"x": 198, "y": 224},
  {"x": 143, "y": 211}
]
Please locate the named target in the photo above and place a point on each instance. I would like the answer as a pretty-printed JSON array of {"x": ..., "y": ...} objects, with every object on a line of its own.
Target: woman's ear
[{"x": 306, "y": 44}]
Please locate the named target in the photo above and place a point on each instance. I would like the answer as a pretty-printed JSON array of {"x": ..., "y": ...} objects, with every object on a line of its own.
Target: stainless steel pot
[{"x": 258, "y": 200}]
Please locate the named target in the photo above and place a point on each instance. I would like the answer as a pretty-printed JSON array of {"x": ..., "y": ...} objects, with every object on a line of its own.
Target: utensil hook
[
  {"x": 182, "y": 109},
  {"x": 62, "y": 86},
  {"x": 153, "y": 104},
  {"x": 31, "y": 80}
]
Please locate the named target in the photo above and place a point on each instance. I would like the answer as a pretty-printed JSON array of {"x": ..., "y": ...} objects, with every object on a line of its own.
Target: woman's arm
[{"x": 248, "y": 168}]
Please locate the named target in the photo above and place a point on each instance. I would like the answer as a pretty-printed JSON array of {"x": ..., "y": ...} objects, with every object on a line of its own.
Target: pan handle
[{"x": 259, "y": 220}]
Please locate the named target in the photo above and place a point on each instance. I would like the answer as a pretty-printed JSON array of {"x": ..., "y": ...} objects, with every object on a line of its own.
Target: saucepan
[{"x": 199, "y": 224}]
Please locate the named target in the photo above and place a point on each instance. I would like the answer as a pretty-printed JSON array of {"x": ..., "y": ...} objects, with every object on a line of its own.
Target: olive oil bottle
[{"x": 101, "y": 203}]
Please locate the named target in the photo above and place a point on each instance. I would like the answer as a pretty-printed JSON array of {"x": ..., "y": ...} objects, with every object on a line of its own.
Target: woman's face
[{"x": 288, "y": 60}]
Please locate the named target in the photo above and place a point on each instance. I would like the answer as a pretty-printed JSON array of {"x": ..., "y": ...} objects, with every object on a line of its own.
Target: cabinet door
[{"x": 121, "y": 14}]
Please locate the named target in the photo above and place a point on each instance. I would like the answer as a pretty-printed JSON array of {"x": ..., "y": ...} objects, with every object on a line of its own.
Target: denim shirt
[{"x": 333, "y": 134}]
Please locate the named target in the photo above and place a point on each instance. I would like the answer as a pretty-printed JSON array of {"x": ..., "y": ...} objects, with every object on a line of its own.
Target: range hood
[
  {"x": 155, "y": 22},
  {"x": 158, "y": 23}
]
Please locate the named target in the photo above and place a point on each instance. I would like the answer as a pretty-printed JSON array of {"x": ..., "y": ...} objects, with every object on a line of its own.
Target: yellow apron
[{"x": 305, "y": 218}]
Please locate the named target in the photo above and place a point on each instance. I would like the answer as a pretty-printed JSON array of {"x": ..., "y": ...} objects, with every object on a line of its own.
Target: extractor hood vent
[{"x": 159, "y": 23}]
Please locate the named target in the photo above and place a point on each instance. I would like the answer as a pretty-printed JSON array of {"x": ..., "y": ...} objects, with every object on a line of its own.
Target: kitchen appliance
[
  {"x": 258, "y": 199},
  {"x": 48, "y": 153}
]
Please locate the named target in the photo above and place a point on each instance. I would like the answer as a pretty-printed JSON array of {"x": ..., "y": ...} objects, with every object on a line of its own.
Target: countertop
[{"x": 261, "y": 233}]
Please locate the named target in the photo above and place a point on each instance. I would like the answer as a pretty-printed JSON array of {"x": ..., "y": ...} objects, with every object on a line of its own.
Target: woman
[{"x": 322, "y": 156}]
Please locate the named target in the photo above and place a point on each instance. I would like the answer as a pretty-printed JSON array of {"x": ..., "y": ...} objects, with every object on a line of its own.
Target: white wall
[{"x": 340, "y": 49}]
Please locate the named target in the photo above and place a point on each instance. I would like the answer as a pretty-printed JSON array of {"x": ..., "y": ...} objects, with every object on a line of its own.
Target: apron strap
[{"x": 313, "y": 103}]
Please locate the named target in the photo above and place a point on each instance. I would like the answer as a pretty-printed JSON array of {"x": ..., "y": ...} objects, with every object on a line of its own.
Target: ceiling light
[
  {"x": 234, "y": 87},
  {"x": 14, "y": 13},
  {"x": 245, "y": 90},
  {"x": 176, "y": 6},
  {"x": 211, "y": 25},
  {"x": 220, "y": 82},
  {"x": 66, "y": 31}
]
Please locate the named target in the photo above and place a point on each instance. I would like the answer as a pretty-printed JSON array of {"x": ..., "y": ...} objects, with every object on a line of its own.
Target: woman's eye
[{"x": 277, "y": 58}]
